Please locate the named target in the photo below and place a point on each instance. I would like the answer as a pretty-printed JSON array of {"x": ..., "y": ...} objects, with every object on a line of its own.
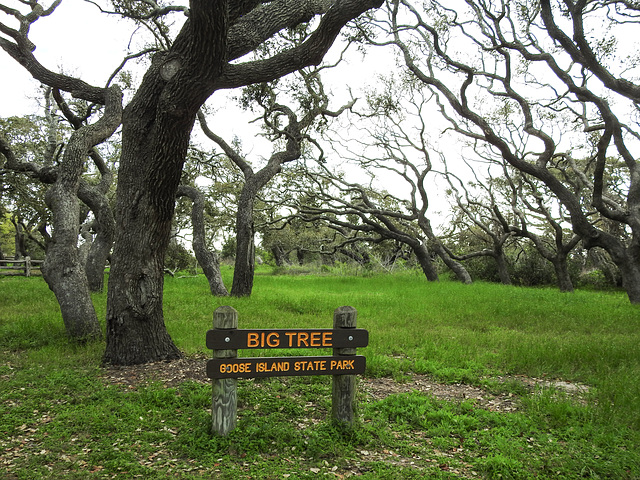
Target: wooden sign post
[
  {"x": 225, "y": 367},
  {"x": 343, "y": 389},
  {"x": 224, "y": 406}
]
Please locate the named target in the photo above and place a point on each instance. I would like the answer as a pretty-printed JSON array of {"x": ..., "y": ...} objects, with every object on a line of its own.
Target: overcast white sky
[
  {"x": 90, "y": 45},
  {"x": 75, "y": 37}
]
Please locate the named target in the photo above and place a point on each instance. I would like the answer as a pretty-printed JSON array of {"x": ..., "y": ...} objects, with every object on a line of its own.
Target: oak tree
[
  {"x": 557, "y": 71},
  {"x": 202, "y": 58}
]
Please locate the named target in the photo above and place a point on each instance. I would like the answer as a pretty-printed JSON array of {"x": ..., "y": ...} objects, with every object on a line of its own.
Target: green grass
[{"x": 60, "y": 418}]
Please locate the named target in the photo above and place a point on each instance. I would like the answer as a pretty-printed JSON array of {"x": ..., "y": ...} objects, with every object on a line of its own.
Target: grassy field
[{"x": 63, "y": 416}]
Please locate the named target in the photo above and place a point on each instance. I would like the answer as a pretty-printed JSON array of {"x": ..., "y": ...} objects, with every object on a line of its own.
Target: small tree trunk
[
  {"x": 245, "y": 248},
  {"x": 104, "y": 225},
  {"x": 85, "y": 233},
  {"x": 63, "y": 269},
  {"x": 64, "y": 273},
  {"x": 456, "y": 267},
  {"x": 424, "y": 259},
  {"x": 208, "y": 260},
  {"x": 503, "y": 268},
  {"x": 278, "y": 255},
  {"x": 20, "y": 242},
  {"x": 562, "y": 273}
]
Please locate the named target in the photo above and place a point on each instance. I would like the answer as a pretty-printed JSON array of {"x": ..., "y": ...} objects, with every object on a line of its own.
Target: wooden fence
[{"x": 25, "y": 265}]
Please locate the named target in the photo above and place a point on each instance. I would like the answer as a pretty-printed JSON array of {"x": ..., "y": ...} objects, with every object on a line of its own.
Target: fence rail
[{"x": 26, "y": 265}]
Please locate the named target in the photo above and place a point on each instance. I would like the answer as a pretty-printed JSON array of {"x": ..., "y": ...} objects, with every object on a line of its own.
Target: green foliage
[
  {"x": 7, "y": 242},
  {"x": 178, "y": 258},
  {"x": 228, "y": 251},
  {"x": 530, "y": 269},
  {"x": 22, "y": 198}
]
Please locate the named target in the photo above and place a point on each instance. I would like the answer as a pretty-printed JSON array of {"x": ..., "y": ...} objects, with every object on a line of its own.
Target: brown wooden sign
[
  {"x": 225, "y": 368},
  {"x": 252, "y": 367},
  {"x": 287, "y": 338}
]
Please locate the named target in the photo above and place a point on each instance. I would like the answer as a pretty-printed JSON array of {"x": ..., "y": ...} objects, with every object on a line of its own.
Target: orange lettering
[
  {"x": 315, "y": 339},
  {"x": 290, "y": 335},
  {"x": 253, "y": 340},
  {"x": 303, "y": 338},
  {"x": 273, "y": 340},
  {"x": 327, "y": 339}
]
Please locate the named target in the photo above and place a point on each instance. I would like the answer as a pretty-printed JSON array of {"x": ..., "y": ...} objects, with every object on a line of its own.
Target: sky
[
  {"x": 90, "y": 45},
  {"x": 76, "y": 37}
]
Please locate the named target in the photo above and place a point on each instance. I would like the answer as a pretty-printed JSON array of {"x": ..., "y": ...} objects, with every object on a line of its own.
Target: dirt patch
[
  {"x": 379, "y": 388},
  {"x": 171, "y": 374},
  {"x": 193, "y": 368}
]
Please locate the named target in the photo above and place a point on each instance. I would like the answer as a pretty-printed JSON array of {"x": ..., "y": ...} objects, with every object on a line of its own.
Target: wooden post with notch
[
  {"x": 224, "y": 405},
  {"x": 344, "y": 386}
]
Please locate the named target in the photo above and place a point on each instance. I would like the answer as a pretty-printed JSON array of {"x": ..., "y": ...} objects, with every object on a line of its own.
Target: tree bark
[
  {"x": 62, "y": 268},
  {"x": 562, "y": 273},
  {"x": 279, "y": 255},
  {"x": 630, "y": 273},
  {"x": 155, "y": 135},
  {"x": 156, "y": 129},
  {"x": 424, "y": 260},
  {"x": 19, "y": 239},
  {"x": 503, "y": 267},
  {"x": 456, "y": 267},
  {"x": 245, "y": 248},
  {"x": 104, "y": 226},
  {"x": 208, "y": 260},
  {"x": 300, "y": 256},
  {"x": 612, "y": 132},
  {"x": 626, "y": 259}
]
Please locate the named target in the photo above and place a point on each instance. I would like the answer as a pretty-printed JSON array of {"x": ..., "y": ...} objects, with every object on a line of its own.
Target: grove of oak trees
[
  {"x": 156, "y": 127},
  {"x": 527, "y": 85}
]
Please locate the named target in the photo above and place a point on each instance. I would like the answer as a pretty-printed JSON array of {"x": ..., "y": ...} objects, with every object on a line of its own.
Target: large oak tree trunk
[
  {"x": 145, "y": 201},
  {"x": 156, "y": 129}
]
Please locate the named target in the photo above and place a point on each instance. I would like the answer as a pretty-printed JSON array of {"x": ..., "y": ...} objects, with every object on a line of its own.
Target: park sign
[
  {"x": 228, "y": 339},
  {"x": 285, "y": 366},
  {"x": 287, "y": 338},
  {"x": 225, "y": 368}
]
